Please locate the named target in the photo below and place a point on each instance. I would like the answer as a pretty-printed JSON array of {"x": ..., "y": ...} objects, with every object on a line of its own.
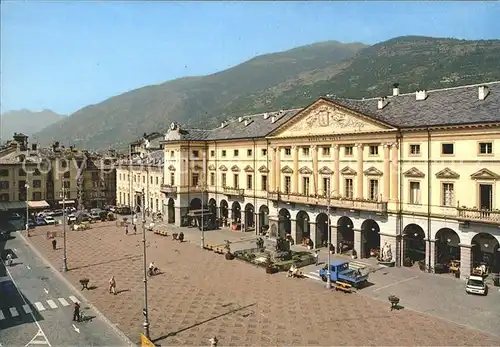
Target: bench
[
  {"x": 219, "y": 250},
  {"x": 344, "y": 287},
  {"x": 209, "y": 247}
]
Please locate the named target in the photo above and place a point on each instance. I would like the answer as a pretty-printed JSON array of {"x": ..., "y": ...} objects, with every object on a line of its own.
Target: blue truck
[{"x": 340, "y": 272}]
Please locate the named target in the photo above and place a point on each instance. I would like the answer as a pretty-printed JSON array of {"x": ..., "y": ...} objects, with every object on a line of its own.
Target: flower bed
[{"x": 257, "y": 257}]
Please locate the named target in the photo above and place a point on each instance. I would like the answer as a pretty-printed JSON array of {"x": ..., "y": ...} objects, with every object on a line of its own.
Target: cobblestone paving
[{"x": 200, "y": 294}]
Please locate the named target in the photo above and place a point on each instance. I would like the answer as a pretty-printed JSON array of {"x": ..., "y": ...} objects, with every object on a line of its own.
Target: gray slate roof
[{"x": 451, "y": 106}]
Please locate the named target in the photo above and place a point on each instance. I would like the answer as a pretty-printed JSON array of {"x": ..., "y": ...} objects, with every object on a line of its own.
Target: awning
[
  {"x": 38, "y": 204},
  {"x": 67, "y": 202},
  {"x": 12, "y": 205}
]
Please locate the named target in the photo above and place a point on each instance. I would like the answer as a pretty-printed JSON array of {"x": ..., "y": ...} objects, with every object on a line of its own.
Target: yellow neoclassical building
[{"x": 416, "y": 171}]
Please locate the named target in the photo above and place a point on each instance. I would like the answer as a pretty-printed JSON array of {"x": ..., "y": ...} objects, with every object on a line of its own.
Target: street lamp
[
  {"x": 329, "y": 279},
  {"x": 202, "y": 180},
  {"x": 65, "y": 258},
  {"x": 26, "y": 185},
  {"x": 145, "y": 310}
]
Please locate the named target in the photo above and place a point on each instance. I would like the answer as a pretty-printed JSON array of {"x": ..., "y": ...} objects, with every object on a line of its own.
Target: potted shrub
[
  {"x": 408, "y": 262},
  {"x": 270, "y": 268},
  {"x": 227, "y": 247}
]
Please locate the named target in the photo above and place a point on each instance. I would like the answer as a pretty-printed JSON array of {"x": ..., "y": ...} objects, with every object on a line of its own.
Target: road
[{"x": 36, "y": 306}]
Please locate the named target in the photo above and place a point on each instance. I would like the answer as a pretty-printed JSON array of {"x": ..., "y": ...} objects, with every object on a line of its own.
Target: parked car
[
  {"x": 15, "y": 216},
  {"x": 50, "y": 220},
  {"x": 71, "y": 218},
  {"x": 41, "y": 221},
  {"x": 57, "y": 213},
  {"x": 340, "y": 271},
  {"x": 476, "y": 285},
  {"x": 4, "y": 234},
  {"x": 95, "y": 216},
  {"x": 47, "y": 213},
  {"x": 32, "y": 224}
]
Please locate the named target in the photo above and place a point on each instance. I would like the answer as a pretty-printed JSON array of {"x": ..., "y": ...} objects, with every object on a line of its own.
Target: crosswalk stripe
[
  {"x": 27, "y": 309},
  {"x": 13, "y": 312},
  {"x": 73, "y": 298},
  {"x": 51, "y": 303},
  {"x": 63, "y": 301},
  {"x": 39, "y": 306},
  {"x": 1, "y": 315}
]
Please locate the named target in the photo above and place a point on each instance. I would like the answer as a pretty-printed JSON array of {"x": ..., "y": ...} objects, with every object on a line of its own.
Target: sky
[{"x": 66, "y": 55}]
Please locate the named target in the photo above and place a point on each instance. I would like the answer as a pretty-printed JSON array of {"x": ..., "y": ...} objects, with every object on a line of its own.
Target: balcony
[
  {"x": 354, "y": 204},
  {"x": 234, "y": 191},
  {"x": 168, "y": 189},
  {"x": 474, "y": 214}
]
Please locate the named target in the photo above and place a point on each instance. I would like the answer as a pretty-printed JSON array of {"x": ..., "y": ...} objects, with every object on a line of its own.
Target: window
[
  {"x": 172, "y": 179},
  {"x": 151, "y": 180},
  {"x": 37, "y": 196},
  {"x": 172, "y": 154},
  {"x": 349, "y": 191},
  {"x": 415, "y": 193},
  {"x": 264, "y": 152},
  {"x": 485, "y": 148},
  {"x": 263, "y": 185},
  {"x": 326, "y": 151},
  {"x": 156, "y": 180},
  {"x": 305, "y": 186},
  {"x": 224, "y": 180},
  {"x": 212, "y": 153},
  {"x": 64, "y": 164},
  {"x": 236, "y": 181},
  {"x": 305, "y": 151},
  {"x": 21, "y": 172},
  {"x": 373, "y": 190},
  {"x": 288, "y": 151},
  {"x": 36, "y": 172},
  {"x": 157, "y": 205},
  {"x": 4, "y": 184},
  {"x": 373, "y": 150},
  {"x": 223, "y": 152},
  {"x": 151, "y": 205},
  {"x": 288, "y": 184},
  {"x": 447, "y": 148},
  {"x": 196, "y": 154},
  {"x": 249, "y": 181},
  {"x": 326, "y": 186},
  {"x": 37, "y": 183},
  {"x": 4, "y": 197},
  {"x": 143, "y": 179},
  {"x": 66, "y": 184},
  {"x": 414, "y": 149},
  {"x": 212, "y": 178},
  {"x": 21, "y": 184},
  {"x": 4, "y": 172},
  {"x": 135, "y": 177},
  {"x": 195, "y": 178},
  {"x": 249, "y": 152},
  {"x": 448, "y": 194},
  {"x": 348, "y": 150},
  {"x": 236, "y": 152},
  {"x": 21, "y": 196}
]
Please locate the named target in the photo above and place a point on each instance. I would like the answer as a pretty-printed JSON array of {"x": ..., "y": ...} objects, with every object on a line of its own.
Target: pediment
[
  {"x": 263, "y": 169},
  {"x": 327, "y": 118},
  {"x": 348, "y": 171},
  {"x": 325, "y": 170},
  {"x": 235, "y": 168},
  {"x": 447, "y": 173},
  {"x": 414, "y": 173},
  {"x": 373, "y": 171},
  {"x": 287, "y": 170},
  {"x": 197, "y": 168},
  {"x": 171, "y": 168},
  {"x": 305, "y": 170},
  {"x": 248, "y": 168},
  {"x": 211, "y": 167},
  {"x": 485, "y": 174},
  {"x": 223, "y": 168}
]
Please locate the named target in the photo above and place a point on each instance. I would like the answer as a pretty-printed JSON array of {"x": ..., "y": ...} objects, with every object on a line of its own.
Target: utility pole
[
  {"x": 329, "y": 279},
  {"x": 65, "y": 258},
  {"x": 145, "y": 310},
  {"x": 203, "y": 177},
  {"x": 27, "y": 186}
]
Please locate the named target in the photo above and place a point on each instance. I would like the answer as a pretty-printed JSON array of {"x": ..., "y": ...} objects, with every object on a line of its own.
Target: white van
[{"x": 476, "y": 285}]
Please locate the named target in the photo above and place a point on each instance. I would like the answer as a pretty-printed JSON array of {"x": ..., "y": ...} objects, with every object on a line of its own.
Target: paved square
[{"x": 200, "y": 294}]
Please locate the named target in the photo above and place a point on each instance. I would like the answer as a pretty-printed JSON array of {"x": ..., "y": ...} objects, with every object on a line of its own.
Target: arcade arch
[
  {"x": 171, "y": 211},
  {"x": 236, "y": 212},
  {"x": 370, "y": 236},
  {"x": 321, "y": 230},
  {"x": 302, "y": 226},
  {"x": 249, "y": 216},
  {"x": 345, "y": 234},
  {"x": 264, "y": 218},
  {"x": 447, "y": 246},
  {"x": 485, "y": 251},
  {"x": 284, "y": 222},
  {"x": 413, "y": 244},
  {"x": 195, "y": 204}
]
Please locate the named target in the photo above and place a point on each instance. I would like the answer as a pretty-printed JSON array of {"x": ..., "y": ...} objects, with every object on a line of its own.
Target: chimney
[
  {"x": 395, "y": 89},
  {"x": 222, "y": 125},
  {"x": 420, "y": 95},
  {"x": 240, "y": 119},
  {"x": 248, "y": 122},
  {"x": 266, "y": 115},
  {"x": 273, "y": 119},
  {"x": 33, "y": 146},
  {"x": 382, "y": 102},
  {"x": 483, "y": 92}
]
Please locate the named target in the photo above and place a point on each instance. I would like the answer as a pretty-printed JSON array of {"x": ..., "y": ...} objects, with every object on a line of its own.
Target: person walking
[
  {"x": 126, "y": 229},
  {"x": 54, "y": 244},
  {"x": 316, "y": 257},
  {"x": 112, "y": 285},
  {"x": 135, "y": 229},
  {"x": 76, "y": 312}
]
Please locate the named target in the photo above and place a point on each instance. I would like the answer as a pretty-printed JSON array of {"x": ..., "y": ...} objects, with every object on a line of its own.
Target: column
[
  {"x": 257, "y": 222},
  {"x": 359, "y": 171},
  {"x": 295, "y": 176},
  {"x": 314, "y": 149},
  {"x": 277, "y": 178},
  {"x": 431, "y": 248},
  {"x": 312, "y": 230},
  {"x": 272, "y": 170},
  {"x": 177, "y": 216},
  {"x": 244, "y": 220},
  {"x": 293, "y": 230},
  {"x": 465, "y": 260},
  {"x": 333, "y": 230},
  {"x": 387, "y": 172},
  {"x": 336, "y": 169},
  {"x": 394, "y": 172},
  {"x": 358, "y": 242}
]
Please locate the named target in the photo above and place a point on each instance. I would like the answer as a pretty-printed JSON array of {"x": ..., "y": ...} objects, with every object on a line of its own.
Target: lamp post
[
  {"x": 27, "y": 186},
  {"x": 329, "y": 279},
  {"x": 145, "y": 310},
  {"x": 65, "y": 258},
  {"x": 202, "y": 181}
]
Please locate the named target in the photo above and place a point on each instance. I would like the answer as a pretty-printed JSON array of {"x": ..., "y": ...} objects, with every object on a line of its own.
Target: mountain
[
  {"x": 27, "y": 122},
  {"x": 281, "y": 80}
]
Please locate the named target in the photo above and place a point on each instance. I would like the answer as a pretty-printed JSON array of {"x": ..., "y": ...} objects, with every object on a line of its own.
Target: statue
[{"x": 388, "y": 253}]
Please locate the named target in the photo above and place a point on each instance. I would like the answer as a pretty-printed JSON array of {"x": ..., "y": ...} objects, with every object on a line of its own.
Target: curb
[{"x": 78, "y": 292}]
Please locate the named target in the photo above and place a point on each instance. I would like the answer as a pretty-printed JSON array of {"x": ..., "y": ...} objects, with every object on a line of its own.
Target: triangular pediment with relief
[
  {"x": 373, "y": 171},
  {"x": 197, "y": 168},
  {"x": 287, "y": 170},
  {"x": 304, "y": 170},
  {"x": 348, "y": 171},
  {"x": 263, "y": 169},
  {"x": 211, "y": 167},
  {"x": 248, "y": 168},
  {"x": 414, "y": 173},
  {"x": 171, "y": 168},
  {"x": 235, "y": 168},
  {"x": 485, "y": 174},
  {"x": 325, "y": 170},
  {"x": 447, "y": 173},
  {"x": 223, "y": 168},
  {"x": 327, "y": 118}
]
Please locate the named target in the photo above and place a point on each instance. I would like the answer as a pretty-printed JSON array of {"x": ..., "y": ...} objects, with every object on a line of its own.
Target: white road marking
[
  {"x": 74, "y": 299},
  {"x": 395, "y": 283},
  {"x": 27, "y": 309},
  {"x": 76, "y": 329},
  {"x": 1, "y": 315},
  {"x": 63, "y": 301},
  {"x": 39, "y": 334},
  {"x": 45, "y": 290},
  {"x": 13, "y": 312},
  {"x": 28, "y": 267},
  {"x": 15, "y": 249},
  {"x": 39, "y": 306},
  {"x": 51, "y": 303}
]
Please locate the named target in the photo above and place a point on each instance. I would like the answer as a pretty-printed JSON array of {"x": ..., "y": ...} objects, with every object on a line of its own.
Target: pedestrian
[
  {"x": 54, "y": 244},
  {"x": 126, "y": 229},
  {"x": 213, "y": 341},
  {"x": 316, "y": 257},
  {"x": 112, "y": 285},
  {"x": 135, "y": 229},
  {"x": 76, "y": 312},
  {"x": 9, "y": 259}
]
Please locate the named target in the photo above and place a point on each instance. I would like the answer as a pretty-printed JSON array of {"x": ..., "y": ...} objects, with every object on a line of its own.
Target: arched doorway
[
  {"x": 195, "y": 204},
  {"x": 302, "y": 226},
  {"x": 264, "y": 218},
  {"x": 236, "y": 212},
  {"x": 485, "y": 250},
  {"x": 212, "y": 206},
  {"x": 413, "y": 244},
  {"x": 447, "y": 246},
  {"x": 171, "y": 211},
  {"x": 224, "y": 209},
  {"x": 249, "y": 217},
  {"x": 284, "y": 222},
  {"x": 345, "y": 234},
  {"x": 321, "y": 229},
  {"x": 370, "y": 238}
]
